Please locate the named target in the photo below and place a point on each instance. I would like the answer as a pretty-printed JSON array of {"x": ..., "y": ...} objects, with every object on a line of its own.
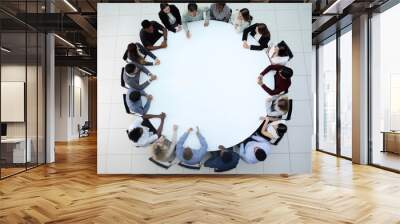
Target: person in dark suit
[
  {"x": 222, "y": 160},
  {"x": 170, "y": 17},
  {"x": 258, "y": 31},
  {"x": 151, "y": 32}
]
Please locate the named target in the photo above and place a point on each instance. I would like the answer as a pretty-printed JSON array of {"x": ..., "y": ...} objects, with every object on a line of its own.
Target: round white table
[{"x": 209, "y": 81}]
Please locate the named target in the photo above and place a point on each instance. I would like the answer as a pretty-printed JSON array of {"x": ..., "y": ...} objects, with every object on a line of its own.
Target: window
[
  {"x": 385, "y": 89},
  {"x": 346, "y": 94},
  {"x": 327, "y": 97}
]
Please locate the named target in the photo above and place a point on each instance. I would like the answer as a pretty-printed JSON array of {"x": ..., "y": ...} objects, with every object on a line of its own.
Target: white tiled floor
[{"x": 119, "y": 24}]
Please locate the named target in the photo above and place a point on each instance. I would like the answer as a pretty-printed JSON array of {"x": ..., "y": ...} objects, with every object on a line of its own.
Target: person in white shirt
[
  {"x": 142, "y": 132},
  {"x": 277, "y": 106},
  {"x": 254, "y": 150},
  {"x": 272, "y": 131},
  {"x": 280, "y": 54},
  {"x": 164, "y": 149},
  {"x": 241, "y": 19}
]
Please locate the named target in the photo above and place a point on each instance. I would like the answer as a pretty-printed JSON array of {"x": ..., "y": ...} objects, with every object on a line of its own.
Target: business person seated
[
  {"x": 260, "y": 32},
  {"x": 170, "y": 17},
  {"x": 220, "y": 12},
  {"x": 272, "y": 130},
  {"x": 163, "y": 149},
  {"x": 134, "y": 101},
  {"x": 277, "y": 107},
  {"x": 136, "y": 54},
  {"x": 282, "y": 79},
  {"x": 188, "y": 155},
  {"x": 254, "y": 149},
  {"x": 222, "y": 160},
  {"x": 241, "y": 19},
  {"x": 132, "y": 77},
  {"x": 151, "y": 32},
  {"x": 142, "y": 132},
  {"x": 280, "y": 54},
  {"x": 195, "y": 14}
]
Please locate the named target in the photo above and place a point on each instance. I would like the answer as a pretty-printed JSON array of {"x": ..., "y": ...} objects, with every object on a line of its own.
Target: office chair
[
  {"x": 84, "y": 129},
  {"x": 222, "y": 170},
  {"x": 164, "y": 165},
  {"x": 278, "y": 140},
  {"x": 192, "y": 167},
  {"x": 289, "y": 113},
  {"x": 128, "y": 111},
  {"x": 123, "y": 84}
]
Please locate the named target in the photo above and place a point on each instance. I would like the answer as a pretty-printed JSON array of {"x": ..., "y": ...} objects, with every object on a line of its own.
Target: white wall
[
  {"x": 68, "y": 82},
  {"x": 119, "y": 24},
  {"x": 33, "y": 127},
  {"x": 16, "y": 73}
]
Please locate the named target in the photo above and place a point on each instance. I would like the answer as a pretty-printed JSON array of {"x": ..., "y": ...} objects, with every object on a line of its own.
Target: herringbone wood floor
[{"x": 70, "y": 191}]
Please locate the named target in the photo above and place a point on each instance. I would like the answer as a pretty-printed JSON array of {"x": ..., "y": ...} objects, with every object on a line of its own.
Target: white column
[
  {"x": 50, "y": 92},
  {"x": 50, "y": 100},
  {"x": 360, "y": 90}
]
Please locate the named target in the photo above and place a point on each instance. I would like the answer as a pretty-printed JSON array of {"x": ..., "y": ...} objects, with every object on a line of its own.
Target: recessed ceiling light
[
  {"x": 84, "y": 71},
  {"x": 5, "y": 50},
  {"x": 338, "y": 6},
  {"x": 70, "y": 5},
  {"x": 64, "y": 40}
]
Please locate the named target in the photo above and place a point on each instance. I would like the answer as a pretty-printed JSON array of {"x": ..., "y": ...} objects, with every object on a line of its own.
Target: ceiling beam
[
  {"x": 81, "y": 61},
  {"x": 84, "y": 24}
]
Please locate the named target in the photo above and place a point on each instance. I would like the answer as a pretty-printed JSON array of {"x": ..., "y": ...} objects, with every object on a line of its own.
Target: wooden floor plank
[{"x": 70, "y": 191}]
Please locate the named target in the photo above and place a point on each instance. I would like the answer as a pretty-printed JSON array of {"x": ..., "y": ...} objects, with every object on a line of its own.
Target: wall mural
[{"x": 204, "y": 88}]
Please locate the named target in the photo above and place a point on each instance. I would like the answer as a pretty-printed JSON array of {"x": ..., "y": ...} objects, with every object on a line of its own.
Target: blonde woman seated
[
  {"x": 277, "y": 106},
  {"x": 280, "y": 54},
  {"x": 241, "y": 19},
  {"x": 271, "y": 130},
  {"x": 163, "y": 149}
]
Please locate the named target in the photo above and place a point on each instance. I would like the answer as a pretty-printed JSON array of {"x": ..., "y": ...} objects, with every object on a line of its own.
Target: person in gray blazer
[
  {"x": 220, "y": 11},
  {"x": 195, "y": 13},
  {"x": 132, "y": 77}
]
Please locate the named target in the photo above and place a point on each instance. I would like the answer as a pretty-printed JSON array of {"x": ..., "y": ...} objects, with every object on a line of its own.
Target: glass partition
[
  {"x": 32, "y": 97},
  {"x": 23, "y": 88},
  {"x": 13, "y": 102}
]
